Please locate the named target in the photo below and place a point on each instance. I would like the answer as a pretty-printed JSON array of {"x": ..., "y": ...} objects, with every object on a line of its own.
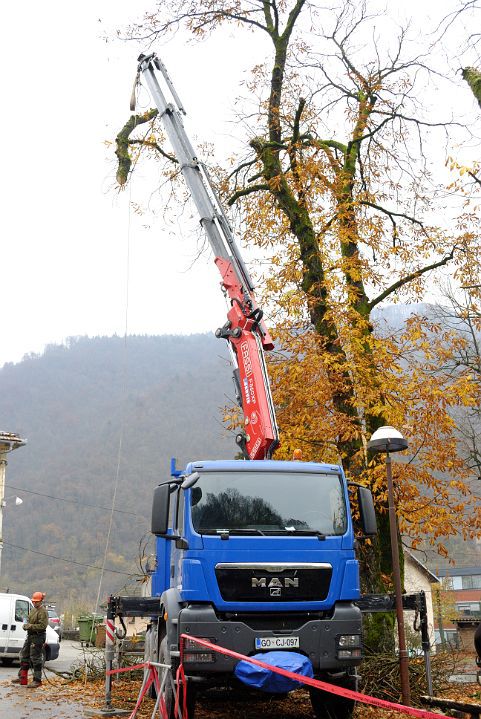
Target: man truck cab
[{"x": 14, "y": 611}]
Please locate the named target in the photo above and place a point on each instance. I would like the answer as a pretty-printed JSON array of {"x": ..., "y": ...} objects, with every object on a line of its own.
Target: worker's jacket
[{"x": 37, "y": 620}]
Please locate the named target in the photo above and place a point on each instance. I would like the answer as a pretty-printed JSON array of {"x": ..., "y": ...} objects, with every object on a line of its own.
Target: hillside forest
[{"x": 102, "y": 418}]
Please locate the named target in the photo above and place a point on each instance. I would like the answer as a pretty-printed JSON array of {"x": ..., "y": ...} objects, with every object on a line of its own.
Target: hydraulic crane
[{"x": 244, "y": 330}]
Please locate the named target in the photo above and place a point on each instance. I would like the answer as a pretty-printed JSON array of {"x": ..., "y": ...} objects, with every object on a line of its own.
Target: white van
[{"x": 14, "y": 610}]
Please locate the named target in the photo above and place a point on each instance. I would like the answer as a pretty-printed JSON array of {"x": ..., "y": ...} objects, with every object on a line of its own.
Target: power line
[
  {"x": 69, "y": 561},
  {"x": 73, "y": 501}
]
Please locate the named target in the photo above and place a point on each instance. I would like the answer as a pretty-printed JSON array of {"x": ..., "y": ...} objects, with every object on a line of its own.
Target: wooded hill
[{"x": 102, "y": 416}]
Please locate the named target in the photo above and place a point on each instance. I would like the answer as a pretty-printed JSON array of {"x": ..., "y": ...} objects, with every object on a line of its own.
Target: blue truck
[
  {"x": 253, "y": 555},
  {"x": 258, "y": 556}
]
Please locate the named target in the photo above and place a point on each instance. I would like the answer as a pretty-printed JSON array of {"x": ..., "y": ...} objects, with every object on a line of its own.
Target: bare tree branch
[{"x": 409, "y": 278}]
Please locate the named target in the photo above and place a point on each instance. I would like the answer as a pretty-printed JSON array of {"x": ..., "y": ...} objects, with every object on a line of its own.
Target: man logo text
[{"x": 275, "y": 582}]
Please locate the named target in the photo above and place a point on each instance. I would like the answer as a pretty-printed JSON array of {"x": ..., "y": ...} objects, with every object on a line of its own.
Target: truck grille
[{"x": 274, "y": 582}]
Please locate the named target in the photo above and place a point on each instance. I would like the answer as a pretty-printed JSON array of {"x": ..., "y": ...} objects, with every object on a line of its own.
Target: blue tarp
[{"x": 272, "y": 682}]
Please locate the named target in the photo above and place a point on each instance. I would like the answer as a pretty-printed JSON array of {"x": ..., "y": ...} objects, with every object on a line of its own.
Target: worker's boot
[
  {"x": 22, "y": 674},
  {"x": 34, "y": 684}
]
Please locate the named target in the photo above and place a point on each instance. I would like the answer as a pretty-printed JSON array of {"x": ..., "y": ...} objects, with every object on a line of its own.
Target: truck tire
[
  {"x": 165, "y": 675},
  {"x": 168, "y": 695},
  {"x": 331, "y": 706}
]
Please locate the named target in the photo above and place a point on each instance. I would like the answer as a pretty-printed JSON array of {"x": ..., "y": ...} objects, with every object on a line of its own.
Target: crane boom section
[{"x": 245, "y": 331}]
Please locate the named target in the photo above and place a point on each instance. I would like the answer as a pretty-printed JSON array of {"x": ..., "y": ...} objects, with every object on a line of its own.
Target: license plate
[{"x": 277, "y": 642}]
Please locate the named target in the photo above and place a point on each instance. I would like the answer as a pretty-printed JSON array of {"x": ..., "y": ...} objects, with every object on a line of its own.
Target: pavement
[{"x": 18, "y": 702}]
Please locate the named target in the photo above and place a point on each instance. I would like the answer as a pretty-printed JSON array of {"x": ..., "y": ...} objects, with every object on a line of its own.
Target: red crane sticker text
[{"x": 248, "y": 381}]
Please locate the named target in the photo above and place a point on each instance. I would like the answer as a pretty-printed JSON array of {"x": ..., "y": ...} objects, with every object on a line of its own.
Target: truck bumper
[{"x": 318, "y": 637}]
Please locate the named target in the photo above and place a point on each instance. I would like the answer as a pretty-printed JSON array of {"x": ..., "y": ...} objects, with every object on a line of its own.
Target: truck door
[{"x": 17, "y": 632}]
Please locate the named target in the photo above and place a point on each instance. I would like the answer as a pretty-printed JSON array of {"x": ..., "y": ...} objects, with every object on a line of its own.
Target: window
[
  {"x": 471, "y": 582},
  {"x": 22, "y": 609},
  {"x": 270, "y": 502},
  {"x": 468, "y": 608}
]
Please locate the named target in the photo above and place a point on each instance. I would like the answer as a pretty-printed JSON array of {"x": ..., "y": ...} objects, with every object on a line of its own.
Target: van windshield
[
  {"x": 269, "y": 503},
  {"x": 22, "y": 609}
]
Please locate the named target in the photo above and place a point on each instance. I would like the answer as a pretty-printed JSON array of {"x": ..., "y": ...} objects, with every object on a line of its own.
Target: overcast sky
[{"x": 66, "y": 233}]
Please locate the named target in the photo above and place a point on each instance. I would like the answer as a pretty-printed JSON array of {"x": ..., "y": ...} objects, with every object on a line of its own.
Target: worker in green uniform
[{"x": 32, "y": 650}]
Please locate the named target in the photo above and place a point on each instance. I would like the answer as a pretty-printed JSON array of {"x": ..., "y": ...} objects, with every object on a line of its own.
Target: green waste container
[{"x": 86, "y": 625}]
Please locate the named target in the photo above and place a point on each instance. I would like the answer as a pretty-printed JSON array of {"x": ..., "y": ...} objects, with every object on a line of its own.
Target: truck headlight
[
  {"x": 194, "y": 652},
  {"x": 192, "y": 645},
  {"x": 349, "y": 640},
  {"x": 199, "y": 657},
  {"x": 349, "y": 646}
]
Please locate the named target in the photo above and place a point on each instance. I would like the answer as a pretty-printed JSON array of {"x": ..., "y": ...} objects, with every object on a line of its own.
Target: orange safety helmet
[{"x": 38, "y": 597}]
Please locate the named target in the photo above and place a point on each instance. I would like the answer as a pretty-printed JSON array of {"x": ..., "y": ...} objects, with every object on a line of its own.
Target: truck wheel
[
  {"x": 168, "y": 695},
  {"x": 331, "y": 706},
  {"x": 165, "y": 676}
]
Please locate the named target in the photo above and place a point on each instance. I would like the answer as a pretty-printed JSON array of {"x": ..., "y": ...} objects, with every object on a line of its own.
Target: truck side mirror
[
  {"x": 190, "y": 480},
  {"x": 160, "y": 510},
  {"x": 367, "y": 511}
]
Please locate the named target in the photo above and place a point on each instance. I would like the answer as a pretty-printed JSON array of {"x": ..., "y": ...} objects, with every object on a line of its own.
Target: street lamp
[
  {"x": 8, "y": 442},
  {"x": 387, "y": 439}
]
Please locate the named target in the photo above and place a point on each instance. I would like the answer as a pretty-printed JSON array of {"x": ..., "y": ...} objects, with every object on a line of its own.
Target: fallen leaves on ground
[{"x": 219, "y": 704}]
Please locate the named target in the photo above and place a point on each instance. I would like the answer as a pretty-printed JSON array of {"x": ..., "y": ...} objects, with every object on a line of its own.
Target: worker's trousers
[{"x": 32, "y": 652}]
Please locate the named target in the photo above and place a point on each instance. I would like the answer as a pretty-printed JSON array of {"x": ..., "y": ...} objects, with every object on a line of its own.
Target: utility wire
[
  {"x": 73, "y": 501},
  {"x": 69, "y": 561}
]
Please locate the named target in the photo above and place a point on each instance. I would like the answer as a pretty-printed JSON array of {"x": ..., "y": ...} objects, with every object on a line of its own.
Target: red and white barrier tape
[{"x": 317, "y": 684}]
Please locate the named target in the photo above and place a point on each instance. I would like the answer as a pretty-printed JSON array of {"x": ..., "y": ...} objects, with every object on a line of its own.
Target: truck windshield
[{"x": 269, "y": 503}]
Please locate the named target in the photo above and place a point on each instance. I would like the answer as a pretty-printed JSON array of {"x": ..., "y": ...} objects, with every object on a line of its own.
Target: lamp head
[{"x": 387, "y": 439}]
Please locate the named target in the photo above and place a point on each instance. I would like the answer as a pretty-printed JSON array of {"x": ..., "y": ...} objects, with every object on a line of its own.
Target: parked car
[
  {"x": 55, "y": 622},
  {"x": 14, "y": 610}
]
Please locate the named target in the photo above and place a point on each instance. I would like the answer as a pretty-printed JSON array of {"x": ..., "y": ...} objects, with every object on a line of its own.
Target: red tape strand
[
  {"x": 142, "y": 693},
  {"x": 128, "y": 669},
  {"x": 333, "y": 689},
  {"x": 180, "y": 679}
]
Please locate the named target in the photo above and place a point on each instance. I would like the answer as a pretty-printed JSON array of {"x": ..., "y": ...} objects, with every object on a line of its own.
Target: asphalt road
[
  {"x": 71, "y": 653},
  {"x": 19, "y": 703}
]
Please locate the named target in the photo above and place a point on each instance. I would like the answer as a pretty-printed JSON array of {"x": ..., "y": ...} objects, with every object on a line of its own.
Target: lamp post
[
  {"x": 387, "y": 439},
  {"x": 8, "y": 442}
]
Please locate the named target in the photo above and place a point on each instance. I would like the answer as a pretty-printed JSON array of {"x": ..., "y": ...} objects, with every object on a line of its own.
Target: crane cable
[{"x": 123, "y": 398}]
